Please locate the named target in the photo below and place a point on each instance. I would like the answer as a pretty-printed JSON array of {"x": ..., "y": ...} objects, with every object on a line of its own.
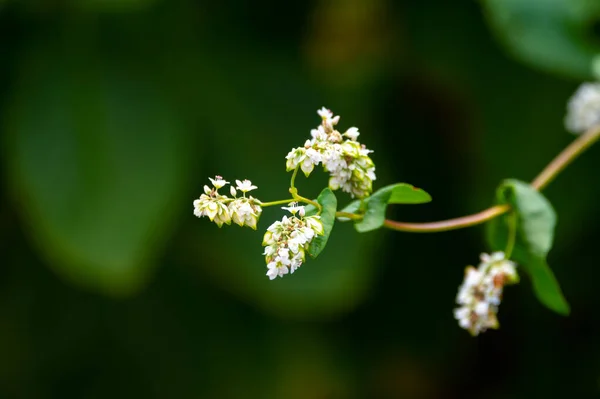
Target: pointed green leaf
[
  {"x": 353, "y": 207},
  {"x": 535, "y": 233},
  {"x": 375, "y": 206},
  {"x": 403, "y": 193},
  {"x": 328, "y": 201}
]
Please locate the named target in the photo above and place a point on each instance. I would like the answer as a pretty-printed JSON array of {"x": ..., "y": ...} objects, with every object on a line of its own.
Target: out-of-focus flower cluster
[
  {"x": 481, "y": 292},
  {"x": 583, "y": 109},
  {"x": 221, "y": 209},
  {"x": 287, "y": 241},
  {"x": 347, "y": 161}
]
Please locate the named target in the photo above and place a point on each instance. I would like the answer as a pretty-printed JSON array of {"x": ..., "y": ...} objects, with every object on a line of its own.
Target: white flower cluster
[
  {"x": 481, "y": 292},
  {"x": 287, "y": 240},
  {"x": 346, "y": 160},
  {"x": 583, "y": 109},
  {"x": 220, "y": 209}
]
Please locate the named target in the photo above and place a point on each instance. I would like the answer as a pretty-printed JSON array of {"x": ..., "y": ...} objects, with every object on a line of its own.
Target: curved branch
[{"x": 560, "y": 162}]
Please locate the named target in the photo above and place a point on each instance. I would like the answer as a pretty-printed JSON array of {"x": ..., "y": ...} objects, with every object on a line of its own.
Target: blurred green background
[{"x": 115, "y": 112}]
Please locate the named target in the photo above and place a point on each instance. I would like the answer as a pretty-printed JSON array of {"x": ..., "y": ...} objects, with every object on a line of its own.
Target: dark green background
[{"x": 115, "y": 112}]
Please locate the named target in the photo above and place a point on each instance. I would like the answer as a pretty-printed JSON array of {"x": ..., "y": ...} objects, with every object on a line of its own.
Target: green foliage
[
  {"x": 554, "y": 35},
  {"x": 98, "y": 158},
  {"x": 328, "y": 202},
  {"x": 403, "y": 193},
  {"x": 373, "y": 208},
  {"x": 534, "y": 236}
]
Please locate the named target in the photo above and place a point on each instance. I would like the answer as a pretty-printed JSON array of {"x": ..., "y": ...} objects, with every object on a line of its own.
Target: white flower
[
  {"x": 214, "y": 208},
  {"x": 325, "y": 113},
  {"x": 583, "y": 109},
  {"x": 312, "y": 158},
  {"x": 293, "y": 208},
  {"x": 328, "y": 120},
  {"x": 347, "y": 161},
  {"x": 296, "y": 261},
  {"x": 352, "y": 133},
  {"x": 294, "y": 158},
  {"x": 319, "y": 133},
  {"x": 198, "y": 211},
  {"x": 481, "y": 292},
  {"x": 287, "y": 241},
  {"x": 245, "y": 186},
  {"x": 245, "y": 212},
  {"x": 221, "y": 209},
  {"x": 276, "y": 270},
  {"x": 218, "y": 181}
]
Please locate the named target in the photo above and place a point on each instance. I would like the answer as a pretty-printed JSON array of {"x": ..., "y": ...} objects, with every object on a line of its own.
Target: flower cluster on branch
[{"x": 529, "y": 222}]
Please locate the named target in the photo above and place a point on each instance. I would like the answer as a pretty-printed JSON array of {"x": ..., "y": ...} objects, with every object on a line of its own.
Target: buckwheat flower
[
  {"x": 347, "y": 161},
  {"x": 287, "y": 241},
  {"x": 481, "y": 292},
  {"x": 214, "y": 208},
  {"x": 245, "y": 185},
  {"x": 218, "y": 181},
  {"x": 325, "y": 113},
  {"x": 220, "y": 209},
  {"x": 583, "y": 109},
  {"x": 318, "y": 134},
  {"x": 294, "y": 208},
  {"x": 245, "y": 211},
  {"x": 329, "y": 121},
  {"x": 352, "y": 133},
  {"x": 294, "y": 158},
  {"x": 351, "y": 169},
  {"x": 313, "y": 157}
]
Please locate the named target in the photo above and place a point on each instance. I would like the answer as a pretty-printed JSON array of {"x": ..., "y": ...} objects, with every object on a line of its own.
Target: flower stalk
[{"x": 547, "y": 175}]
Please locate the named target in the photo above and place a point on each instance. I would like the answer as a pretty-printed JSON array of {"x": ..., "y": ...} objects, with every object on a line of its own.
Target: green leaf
[
  {"x": 375, "y": 206},
  {"x": 353, "y": 207},
  {"x": 535, "y": 233},
  {"x": 553, "y": 35},
  {"x": 328, "y": 202},
  {"x": 403, "y": 193},
  {"x": 98, "y": 160}
]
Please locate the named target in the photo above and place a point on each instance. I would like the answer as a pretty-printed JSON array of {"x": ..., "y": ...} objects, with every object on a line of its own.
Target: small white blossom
[
  {"x": 214, "y": 208},
  {"x": 481, "y": 292},
  {"x": 245, "y": 212},
  {"x": 293, "y": 207},
  {"x": 218, "y": 181},
  {"x": 325, "y": 113},
  {"x": 583, "y": 109},
  {"x": 318, "y": 134},
  {"x": 245, "y": 186},
  {"x": 294, "y": 158},
  {"x": 352, "y": 133},
  {"x": 347, "y": 161},
  {"x": 221, "y": 209},
  {"x": 287, "y": 241}
]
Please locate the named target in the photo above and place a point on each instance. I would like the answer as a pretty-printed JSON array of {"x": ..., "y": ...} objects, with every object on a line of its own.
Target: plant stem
[
  {"x": 300, "y": 198},
  {"x": 348, "y": 215},
  {"x": 293, "y": 180},
  {"x": 272, "y": 203},
  {"x": 562, "y": 160},
  {"x": 450, "y": 224},
  {"x": 568, "y": 155}
]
